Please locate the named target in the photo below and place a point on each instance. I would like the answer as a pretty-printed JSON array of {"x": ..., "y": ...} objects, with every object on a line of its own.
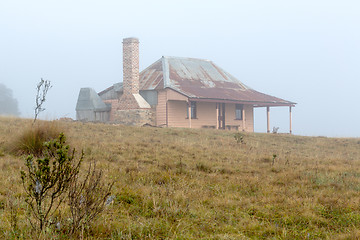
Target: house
[{"x": 176, "y": 92}]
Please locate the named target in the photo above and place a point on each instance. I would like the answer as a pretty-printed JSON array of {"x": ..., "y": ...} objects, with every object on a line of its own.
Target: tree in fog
[{"x": 8, "y": 104}]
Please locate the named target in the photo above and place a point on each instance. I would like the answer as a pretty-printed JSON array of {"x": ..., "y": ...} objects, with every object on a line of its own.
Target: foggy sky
[{"x": 303, "y": 51}]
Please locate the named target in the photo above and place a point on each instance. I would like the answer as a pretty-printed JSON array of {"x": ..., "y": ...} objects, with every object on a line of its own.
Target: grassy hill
[{"x": 203, "y": 184}]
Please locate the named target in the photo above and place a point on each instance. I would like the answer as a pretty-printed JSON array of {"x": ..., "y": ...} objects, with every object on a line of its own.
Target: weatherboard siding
[
  {"x": 249, "y": 110},
  {"x": 205, "y": 112},
  {"x": 230, "y": 118},
  {"x": 166, "y": 104},
  {"x": 173, "y": 95},
  {"x": 161, "y": 109},
  {"x": 177, "y": 114},
  {"x": 206, "y": 115},
  {"x": 171, "y": 110}
]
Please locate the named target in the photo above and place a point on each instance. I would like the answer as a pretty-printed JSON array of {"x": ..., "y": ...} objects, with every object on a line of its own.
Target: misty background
[
  {"x": 303, "y": 51},
  {"x": 8, "y": 104}
]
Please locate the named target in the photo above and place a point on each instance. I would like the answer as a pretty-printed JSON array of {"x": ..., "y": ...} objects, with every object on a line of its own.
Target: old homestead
[{"x": 175, "y": 92}]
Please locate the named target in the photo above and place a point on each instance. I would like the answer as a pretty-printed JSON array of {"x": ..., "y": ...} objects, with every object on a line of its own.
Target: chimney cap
[{"x": 130, "y": 40}]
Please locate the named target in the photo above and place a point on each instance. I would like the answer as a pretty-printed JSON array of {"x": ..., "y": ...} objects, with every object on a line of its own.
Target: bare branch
[{"x": 42, "y": 89}]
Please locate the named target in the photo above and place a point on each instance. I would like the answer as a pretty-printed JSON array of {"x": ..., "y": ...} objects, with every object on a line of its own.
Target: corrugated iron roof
[
  {"x": 152, "y": 77},
  {"x": 202, "y": 79}
]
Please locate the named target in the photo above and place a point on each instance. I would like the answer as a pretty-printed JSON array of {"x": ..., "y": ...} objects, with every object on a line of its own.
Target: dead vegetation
[{"x": 203, "y": 184}]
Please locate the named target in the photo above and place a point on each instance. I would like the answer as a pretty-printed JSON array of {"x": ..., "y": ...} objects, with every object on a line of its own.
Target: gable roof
[{"x": 202, "y": 79}]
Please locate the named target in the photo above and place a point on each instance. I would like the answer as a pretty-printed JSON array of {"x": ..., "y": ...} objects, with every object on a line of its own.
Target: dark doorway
[{"x": 221, "y": 109}]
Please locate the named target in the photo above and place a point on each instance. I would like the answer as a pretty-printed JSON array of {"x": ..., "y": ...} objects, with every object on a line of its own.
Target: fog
[
  {"x": 303, "y": 51},
  {"x": 8, "y": 104}
]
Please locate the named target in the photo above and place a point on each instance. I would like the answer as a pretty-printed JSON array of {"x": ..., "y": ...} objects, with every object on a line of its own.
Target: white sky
[{"x": 306, "y": 51}]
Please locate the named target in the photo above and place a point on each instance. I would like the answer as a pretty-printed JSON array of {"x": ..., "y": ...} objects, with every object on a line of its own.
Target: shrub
[
  {"x": 239, "y": 137},
  {"x": 47, "y": 180},
  {"x": 32, "y": 139},
  {"x": 273, "y": 159},
  {"x": 87, "y": 197},
  {"x": 275, "y": 130},
  {"x": 55, "y": 179}
]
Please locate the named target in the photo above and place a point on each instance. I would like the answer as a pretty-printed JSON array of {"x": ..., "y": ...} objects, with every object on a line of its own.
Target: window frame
[
  {"x": 193, "y": 107},
  {"x": 239, "y": 111}
]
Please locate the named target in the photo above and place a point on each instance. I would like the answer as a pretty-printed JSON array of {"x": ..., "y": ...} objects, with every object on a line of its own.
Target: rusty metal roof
[
  {"x": 202, "y": 80},
  {"x": 152, "y": 77}
]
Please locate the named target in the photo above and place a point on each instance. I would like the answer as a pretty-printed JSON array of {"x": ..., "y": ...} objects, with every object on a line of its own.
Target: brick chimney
[
  {"x": 131, "y": 65},
  {"x": 131, "y": 99}
]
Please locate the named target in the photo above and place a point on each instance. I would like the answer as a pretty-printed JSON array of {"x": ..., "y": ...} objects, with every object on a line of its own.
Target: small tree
[
  {"x": 42, "y": 88},
  {"x": 47, "y": 179}
]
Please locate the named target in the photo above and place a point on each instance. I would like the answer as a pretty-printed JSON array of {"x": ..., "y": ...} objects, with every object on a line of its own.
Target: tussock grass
[
  {"x": 202, "y": 184},
  {"x": 31, "y": 138}
]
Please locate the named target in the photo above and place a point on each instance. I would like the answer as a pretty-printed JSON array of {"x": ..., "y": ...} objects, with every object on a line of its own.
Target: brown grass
[
  {"x": 202, "y": 184},
  {"x": 30, "y": 138}
]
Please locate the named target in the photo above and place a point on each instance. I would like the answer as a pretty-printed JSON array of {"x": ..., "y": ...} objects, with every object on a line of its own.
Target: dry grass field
[{"x": 202, "y": 184}]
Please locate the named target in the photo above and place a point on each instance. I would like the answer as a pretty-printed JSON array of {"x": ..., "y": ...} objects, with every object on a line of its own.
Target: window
[
  {"x": 238, "y": 111},
  {"x": 193, "y": 110}
]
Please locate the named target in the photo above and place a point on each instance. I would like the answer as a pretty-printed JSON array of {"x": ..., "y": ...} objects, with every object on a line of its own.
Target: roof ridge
[{"x": 188, "y": 58}]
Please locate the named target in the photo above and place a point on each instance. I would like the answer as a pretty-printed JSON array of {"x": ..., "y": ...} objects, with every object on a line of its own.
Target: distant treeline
[{"x": 8, "y": 104}]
